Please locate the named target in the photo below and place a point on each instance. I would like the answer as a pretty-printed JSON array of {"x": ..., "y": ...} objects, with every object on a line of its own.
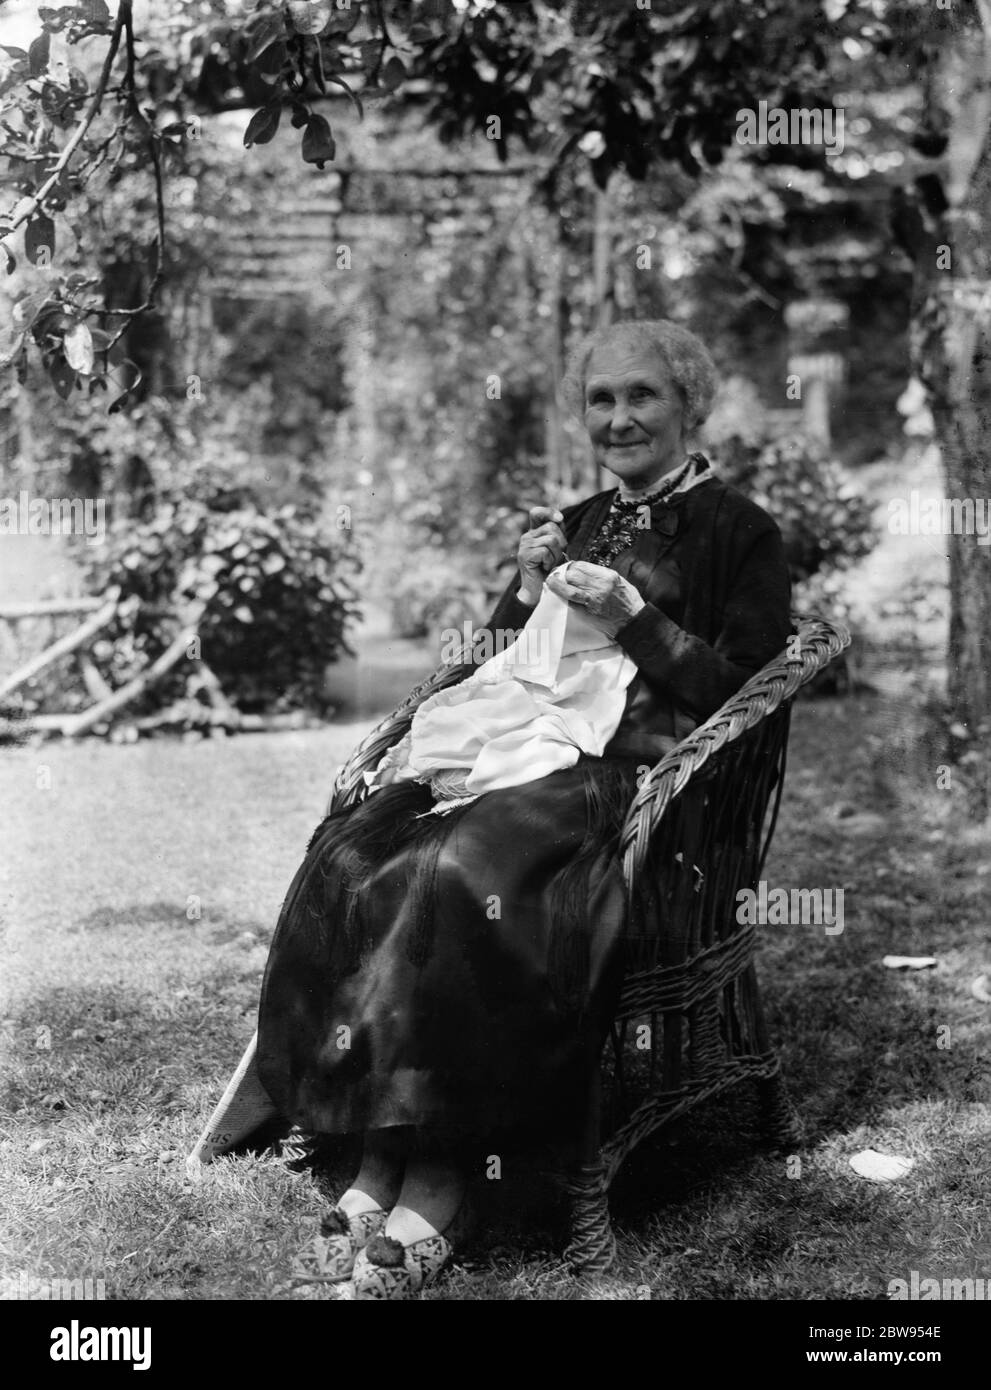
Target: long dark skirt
[{"x": 453, "y": 972}]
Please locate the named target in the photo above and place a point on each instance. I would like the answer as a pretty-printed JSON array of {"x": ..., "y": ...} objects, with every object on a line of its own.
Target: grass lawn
[{"x": 139, "y": 892}]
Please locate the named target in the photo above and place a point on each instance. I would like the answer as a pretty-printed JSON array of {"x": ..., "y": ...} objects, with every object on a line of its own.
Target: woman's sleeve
[
  {"x": 509, "y": 612},
  {"x": 755, "y": 627}
]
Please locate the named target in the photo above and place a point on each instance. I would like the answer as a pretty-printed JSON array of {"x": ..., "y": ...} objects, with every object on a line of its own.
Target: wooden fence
[{"x": 108, "y": 704}]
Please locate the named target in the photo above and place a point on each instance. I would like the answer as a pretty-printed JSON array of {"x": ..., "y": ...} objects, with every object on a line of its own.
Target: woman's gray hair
[{"x": 685, "y": 356}]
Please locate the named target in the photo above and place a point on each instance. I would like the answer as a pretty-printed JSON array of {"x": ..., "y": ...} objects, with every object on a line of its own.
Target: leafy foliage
[
  {"x": 600, "y": 85},
  {"x": 825, "y": 521},
  {"x": 605, "y": 81},
  {"x": 276, "y": 598},
  {"x": 438, "y": 582}
]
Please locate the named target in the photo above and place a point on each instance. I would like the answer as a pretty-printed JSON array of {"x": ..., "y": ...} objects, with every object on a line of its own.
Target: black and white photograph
[{"x": 495, "y": 668}]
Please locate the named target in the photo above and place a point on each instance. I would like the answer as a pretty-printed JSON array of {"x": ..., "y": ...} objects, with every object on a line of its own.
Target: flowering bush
[
  {"x": 276, "y": 599},
  {"x": 826, "y": 523}
]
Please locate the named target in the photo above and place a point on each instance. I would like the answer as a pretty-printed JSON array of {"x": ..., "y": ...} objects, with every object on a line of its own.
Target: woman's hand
[
  {"x": 541, "y": 550},
  {"x": 611, "y": 600}
]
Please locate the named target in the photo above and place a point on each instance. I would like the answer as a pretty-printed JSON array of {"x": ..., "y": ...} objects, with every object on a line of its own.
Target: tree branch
[
  {"x": 37, "y": 200},
  {"x": 156, "y": 164}
]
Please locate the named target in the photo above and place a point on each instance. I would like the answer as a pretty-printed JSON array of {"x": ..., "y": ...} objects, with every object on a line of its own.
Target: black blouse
[{"x": 712, "y": 571}]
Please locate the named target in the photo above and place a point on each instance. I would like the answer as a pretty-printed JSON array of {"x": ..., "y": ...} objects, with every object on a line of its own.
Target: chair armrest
[
  {"x": 776, "y": 683},
  {"x": 349, "y": 784},
  {"x": 820, "y": 642}
]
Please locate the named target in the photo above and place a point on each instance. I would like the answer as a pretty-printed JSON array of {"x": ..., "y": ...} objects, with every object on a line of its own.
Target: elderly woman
[{"x": 436, "y": 978}]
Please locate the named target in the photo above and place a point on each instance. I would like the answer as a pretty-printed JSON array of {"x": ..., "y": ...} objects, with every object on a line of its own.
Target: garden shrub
[
  {"x": 444, "y": 570},
  {"x": 278, "y": 597},
  {"x": 825, "y": 521}
]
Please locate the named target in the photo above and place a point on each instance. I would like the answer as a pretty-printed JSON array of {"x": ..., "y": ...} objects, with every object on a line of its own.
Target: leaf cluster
[
  {"x": 276, "y": 597},
  {"x": 825, "y": 521}
]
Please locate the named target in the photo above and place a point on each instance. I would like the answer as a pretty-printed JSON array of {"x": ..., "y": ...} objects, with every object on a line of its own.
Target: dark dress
[{"x": 459, "y": 972}]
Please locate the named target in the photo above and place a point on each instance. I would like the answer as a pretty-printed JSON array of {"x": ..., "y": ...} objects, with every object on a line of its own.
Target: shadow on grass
[
  {"x": 132, "y": 1058},
  {"x": 120, "y": 1044},
  {"x": 701, "y": 1210},
  {"x": 170, "y": 915}
]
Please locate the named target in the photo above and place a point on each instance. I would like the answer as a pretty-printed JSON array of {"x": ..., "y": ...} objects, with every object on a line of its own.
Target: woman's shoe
[
  {"x": 385, "y": 1269},
  {"x": 330, "y": 1256}
]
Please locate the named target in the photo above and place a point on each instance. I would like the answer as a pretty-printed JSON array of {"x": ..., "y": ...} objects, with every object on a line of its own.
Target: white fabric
[{"x": 557, "y": 692}]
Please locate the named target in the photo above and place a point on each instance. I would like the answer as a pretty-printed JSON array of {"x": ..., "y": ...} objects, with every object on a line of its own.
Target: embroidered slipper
[
  {"x": 330, "y": 1256},
  {"x": 385, "y": 1269}
]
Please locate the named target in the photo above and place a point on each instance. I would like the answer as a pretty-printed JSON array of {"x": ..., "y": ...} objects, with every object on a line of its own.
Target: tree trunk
[
  {"x": 558, "y": 443},
  {"x": 605, "y": 284},
  {"x": 951, "y": 341}
]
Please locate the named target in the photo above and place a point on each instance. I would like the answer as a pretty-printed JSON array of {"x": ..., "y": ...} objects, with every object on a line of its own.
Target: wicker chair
[{"x": 698, "y": 831}]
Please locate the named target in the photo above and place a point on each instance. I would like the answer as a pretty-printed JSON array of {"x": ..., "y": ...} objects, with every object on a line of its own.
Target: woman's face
[{"x": 633, "y": 414}]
